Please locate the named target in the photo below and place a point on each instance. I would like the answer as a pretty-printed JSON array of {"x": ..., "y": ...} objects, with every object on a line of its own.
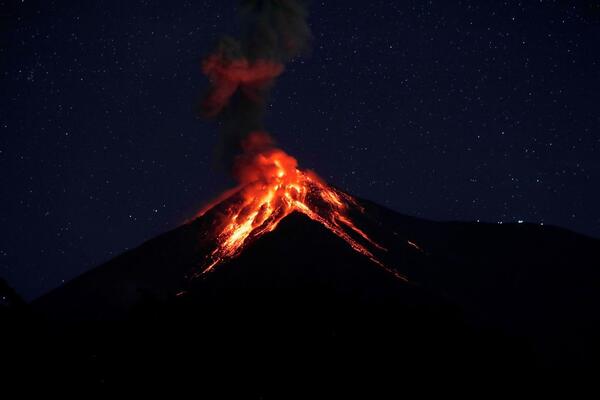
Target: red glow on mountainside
[{"x": 271, "y": 188}]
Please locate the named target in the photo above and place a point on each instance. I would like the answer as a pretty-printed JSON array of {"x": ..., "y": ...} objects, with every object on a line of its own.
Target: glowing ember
[{"x": 272, "y": 187}]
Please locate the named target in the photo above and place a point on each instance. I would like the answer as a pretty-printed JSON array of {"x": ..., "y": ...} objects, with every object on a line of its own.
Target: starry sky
[{"x": 448, "y": 110}]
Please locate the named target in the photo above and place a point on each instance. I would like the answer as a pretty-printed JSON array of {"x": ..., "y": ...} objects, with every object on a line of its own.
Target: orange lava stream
[{"x": 272, "y": 187}]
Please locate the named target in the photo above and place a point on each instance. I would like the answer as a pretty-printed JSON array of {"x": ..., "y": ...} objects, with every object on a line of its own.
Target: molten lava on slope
[{"x": 272, "y": 187}]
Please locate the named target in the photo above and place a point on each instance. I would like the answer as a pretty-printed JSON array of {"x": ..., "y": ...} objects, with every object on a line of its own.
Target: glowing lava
[{"x": 271, "y": 188}]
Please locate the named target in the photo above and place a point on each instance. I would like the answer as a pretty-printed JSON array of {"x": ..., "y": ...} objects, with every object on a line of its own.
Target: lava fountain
[{"x": 271, "y": 188}]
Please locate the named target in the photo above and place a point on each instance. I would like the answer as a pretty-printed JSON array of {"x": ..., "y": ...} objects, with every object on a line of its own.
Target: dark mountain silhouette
[{"x": 299, "y": 308}]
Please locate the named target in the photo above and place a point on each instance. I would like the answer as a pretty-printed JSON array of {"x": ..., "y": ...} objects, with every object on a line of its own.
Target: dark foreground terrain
[{"x": 299, "y": 310}]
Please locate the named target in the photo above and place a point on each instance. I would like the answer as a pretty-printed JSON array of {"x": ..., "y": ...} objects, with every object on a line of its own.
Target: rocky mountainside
[{"x": 298, "y": 307}]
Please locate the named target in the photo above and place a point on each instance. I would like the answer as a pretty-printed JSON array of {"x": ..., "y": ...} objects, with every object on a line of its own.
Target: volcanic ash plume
[{"x": 241, "y": 72}]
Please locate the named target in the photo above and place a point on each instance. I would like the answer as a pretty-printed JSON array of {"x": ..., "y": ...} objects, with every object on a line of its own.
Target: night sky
[{"x": 448, "y": 110}]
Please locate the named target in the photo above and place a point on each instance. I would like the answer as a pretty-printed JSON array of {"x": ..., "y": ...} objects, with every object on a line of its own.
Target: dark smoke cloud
[
  {"x": 242, "y": 72},
  {"x": 275, "y": 29}
]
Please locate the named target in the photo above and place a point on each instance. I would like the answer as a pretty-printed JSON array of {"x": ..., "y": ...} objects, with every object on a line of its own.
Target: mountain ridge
[{"x": 479, "y": 297}]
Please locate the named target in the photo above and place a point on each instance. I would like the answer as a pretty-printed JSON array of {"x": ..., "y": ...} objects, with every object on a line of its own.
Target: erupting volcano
[
  {"x": 302, "y": 285},
  {"x": 271, "y": 188}
]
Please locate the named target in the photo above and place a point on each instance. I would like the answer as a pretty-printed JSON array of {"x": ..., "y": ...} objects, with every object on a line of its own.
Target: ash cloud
[{"x": 242, "y": 72}]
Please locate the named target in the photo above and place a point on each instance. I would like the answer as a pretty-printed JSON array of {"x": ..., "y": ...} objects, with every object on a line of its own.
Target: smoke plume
[{"x": 242, "y": 72}]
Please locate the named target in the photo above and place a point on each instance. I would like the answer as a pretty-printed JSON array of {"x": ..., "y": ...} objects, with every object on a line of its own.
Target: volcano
[
  {"x": 299, "y": 305},
  {"x": 286, "y": 284}
]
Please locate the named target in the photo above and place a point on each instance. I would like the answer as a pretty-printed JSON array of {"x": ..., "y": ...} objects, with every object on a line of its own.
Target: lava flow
[{"x": 271, "y": 188}]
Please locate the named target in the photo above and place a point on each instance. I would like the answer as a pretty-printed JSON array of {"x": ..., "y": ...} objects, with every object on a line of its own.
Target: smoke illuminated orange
[
  {"x": 227, "y": 76},
  {"x": 272, "y": 187}
]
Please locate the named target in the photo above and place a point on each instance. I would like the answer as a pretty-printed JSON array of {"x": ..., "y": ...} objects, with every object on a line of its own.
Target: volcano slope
[{"x": 299, "y": 306}]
